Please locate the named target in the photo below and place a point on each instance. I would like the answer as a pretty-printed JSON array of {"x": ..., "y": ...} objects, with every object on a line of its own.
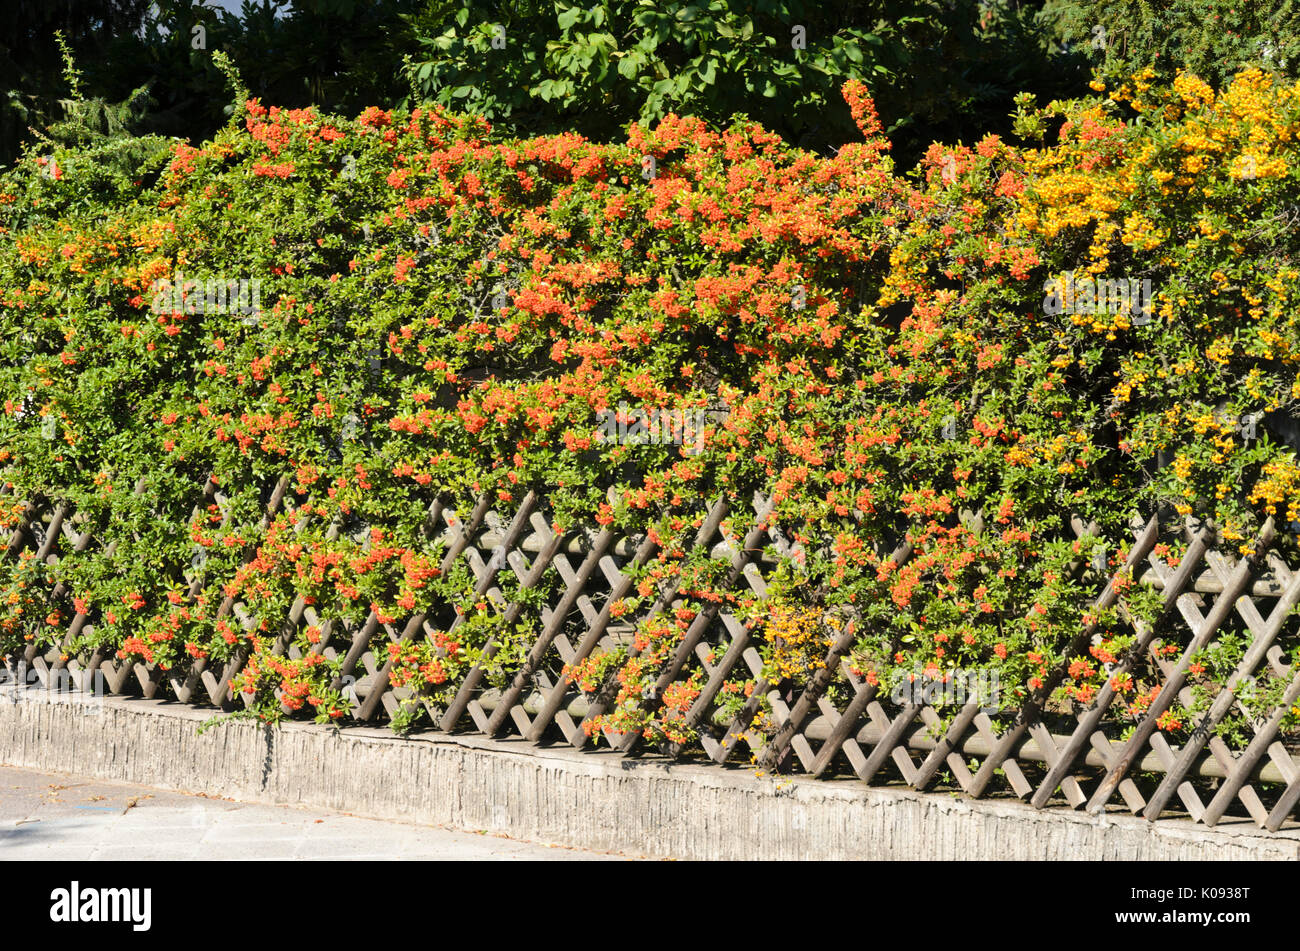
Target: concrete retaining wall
[{"x": 592, "y": 800}]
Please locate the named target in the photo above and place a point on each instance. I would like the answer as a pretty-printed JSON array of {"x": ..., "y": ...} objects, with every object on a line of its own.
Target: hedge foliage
[{"x": 445, "y": 313}]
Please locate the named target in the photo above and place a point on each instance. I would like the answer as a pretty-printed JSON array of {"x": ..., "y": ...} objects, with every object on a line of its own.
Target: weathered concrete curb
[{"x": 589, "y": 800}]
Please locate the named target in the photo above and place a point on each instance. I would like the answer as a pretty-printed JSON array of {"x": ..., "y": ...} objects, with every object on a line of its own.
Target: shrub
[{"x": 445, "y": 314}]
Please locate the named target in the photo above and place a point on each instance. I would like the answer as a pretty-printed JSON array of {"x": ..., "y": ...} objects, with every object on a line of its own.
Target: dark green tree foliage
[
  {"x": 1211, "y": 38},
  {"x": 32, "y": 66},
  {"x": 944, "y": 70},
  {"x": 937, "y": 69},
  {"x": 341, "y": 55}
]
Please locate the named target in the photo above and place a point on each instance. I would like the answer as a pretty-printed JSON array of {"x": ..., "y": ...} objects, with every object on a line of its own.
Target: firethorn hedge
[{"x": 445, "y": 313}]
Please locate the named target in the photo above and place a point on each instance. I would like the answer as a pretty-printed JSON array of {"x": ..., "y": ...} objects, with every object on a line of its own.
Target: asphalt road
[{"x": 57, "y": 816}]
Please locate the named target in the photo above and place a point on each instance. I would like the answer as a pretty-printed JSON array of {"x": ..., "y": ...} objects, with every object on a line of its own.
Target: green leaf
[
  {"x": 629, "y": 66},
  {"x": 569, "y": 17}
]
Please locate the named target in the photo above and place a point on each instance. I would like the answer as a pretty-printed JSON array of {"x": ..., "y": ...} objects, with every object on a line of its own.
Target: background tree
[
  {"x": 936, "y": 69},
  {"x": 1211, "y": 38},
  {"x": 939, "y": 70},
  {"x": 340, "y": 55},
  {"x": 32, "y": 65}
]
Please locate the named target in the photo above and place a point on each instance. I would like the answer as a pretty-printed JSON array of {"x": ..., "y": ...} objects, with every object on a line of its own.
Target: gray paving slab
[{"x": 57, "y": 816}]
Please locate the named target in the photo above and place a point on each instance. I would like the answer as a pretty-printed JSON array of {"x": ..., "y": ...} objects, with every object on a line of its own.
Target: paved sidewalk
[{"x": 56, "y": 816}]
